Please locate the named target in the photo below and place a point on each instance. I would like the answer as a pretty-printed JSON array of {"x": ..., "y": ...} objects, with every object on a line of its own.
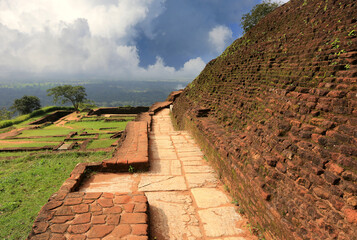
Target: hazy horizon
[{"x": 103, "y": 93}]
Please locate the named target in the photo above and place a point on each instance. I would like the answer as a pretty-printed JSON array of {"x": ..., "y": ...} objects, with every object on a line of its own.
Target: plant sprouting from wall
[{"x": 258, "y": 12}]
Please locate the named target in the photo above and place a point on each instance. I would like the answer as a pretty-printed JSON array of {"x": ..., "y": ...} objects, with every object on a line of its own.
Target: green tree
[
  {"x": 26, "y": 104},
  {"x": 259, "y": 11},
  {"x": 68, "y": 93},
  {"x": 5, "y": 114},
  {"x": 89, "y": 104}
]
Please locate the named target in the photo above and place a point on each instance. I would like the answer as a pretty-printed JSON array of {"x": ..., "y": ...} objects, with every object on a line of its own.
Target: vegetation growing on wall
[{"x": 259, "y": 11}]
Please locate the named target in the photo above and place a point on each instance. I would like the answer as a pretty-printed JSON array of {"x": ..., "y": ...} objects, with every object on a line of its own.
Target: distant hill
[{"x": 106, "y": 94}]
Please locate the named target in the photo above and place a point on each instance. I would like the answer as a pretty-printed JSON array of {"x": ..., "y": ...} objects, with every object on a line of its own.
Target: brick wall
[
  {"x": 118, "y": 110},
  {"x": 276, "y": 114},
  {"x": 53, "y": 117}
]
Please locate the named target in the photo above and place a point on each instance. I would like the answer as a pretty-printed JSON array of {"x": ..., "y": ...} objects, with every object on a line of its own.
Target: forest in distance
[{"x": 103, "y": 93}]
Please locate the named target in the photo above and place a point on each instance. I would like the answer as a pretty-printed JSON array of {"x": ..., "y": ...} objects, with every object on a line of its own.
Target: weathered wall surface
[
  {"x": 118, "y": 110},
  {"x": 53, "y": 117},
  {"x": 276, "y": 113}
]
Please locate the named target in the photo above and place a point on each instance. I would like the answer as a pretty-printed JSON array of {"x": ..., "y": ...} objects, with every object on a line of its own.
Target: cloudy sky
[{"x": 114, "y": 39}]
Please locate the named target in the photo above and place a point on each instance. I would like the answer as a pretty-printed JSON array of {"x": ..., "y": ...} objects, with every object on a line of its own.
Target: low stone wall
[
  {"x": 53, "y": 117},
  {"x": 27, "y": 149},
  {"x": 70, "y": 214},
  {"x": 134, "y": 149},
  {"x": 173, "y": 95},
  {"x": 158, "y": 106},
  {"x": 120, "y": 110}
]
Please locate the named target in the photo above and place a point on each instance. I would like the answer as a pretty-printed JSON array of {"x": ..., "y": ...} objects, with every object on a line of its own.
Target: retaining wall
[
  {"x": 53, "y": 117},
  {"x": 70, "y": 214},
  {"x": 120, "y": 110},
  {"x": 276, "y": 113}
]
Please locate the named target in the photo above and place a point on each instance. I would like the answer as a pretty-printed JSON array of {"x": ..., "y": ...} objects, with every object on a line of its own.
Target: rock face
[{"x": 280, "y": 120}]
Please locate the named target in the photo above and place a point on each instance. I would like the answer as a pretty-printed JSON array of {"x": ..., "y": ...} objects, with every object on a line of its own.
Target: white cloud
[
  {"x": 87, "y": 38},
  {"x": 279, "y": 1},
  {"x": 160, "y": 71},
  {"x": 192, "y": 67},
  {"x": 220, "y": 37}
]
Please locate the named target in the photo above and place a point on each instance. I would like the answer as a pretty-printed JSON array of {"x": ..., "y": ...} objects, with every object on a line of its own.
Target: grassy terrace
[
  {"x": 28, "y": 179},
  {"x": 27, "y": 182}
]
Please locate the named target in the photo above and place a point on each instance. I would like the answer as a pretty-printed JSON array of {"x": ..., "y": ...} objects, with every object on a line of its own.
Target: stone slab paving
[
  {"x": 64, "y": 146},
  {"x": 186, "y": 199},
  {"x": 109, "y": 182},
  {"x": 193, "y": 205}
]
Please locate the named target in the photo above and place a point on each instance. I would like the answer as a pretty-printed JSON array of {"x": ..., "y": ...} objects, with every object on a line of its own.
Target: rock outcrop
[{"x": 276, "y": 113}]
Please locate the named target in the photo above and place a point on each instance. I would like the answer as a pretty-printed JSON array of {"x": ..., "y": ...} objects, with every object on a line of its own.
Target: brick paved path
[
  {"x": 80, "y": 216},
  {"x": 186, "y": 200}
]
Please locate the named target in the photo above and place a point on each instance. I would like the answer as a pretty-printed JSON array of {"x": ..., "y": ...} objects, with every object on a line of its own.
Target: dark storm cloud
[{"x": 181, "y": 31}]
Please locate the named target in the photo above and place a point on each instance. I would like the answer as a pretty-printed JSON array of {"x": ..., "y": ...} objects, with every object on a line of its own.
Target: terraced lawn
[
  {"x": 28, "y": 179},
  {"x": 27, "y": 182},
  {"x": 95, "y": 126},
  {"x": 103, "y": 143},
  {"x": 51, "y": 130}
]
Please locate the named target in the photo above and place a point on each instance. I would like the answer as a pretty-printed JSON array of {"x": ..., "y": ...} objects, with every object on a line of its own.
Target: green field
[
  {"x": 28, "y": 179},
  {"x": 27, "y": 182},
  {"x": 50, "y": 130},
  {"x": 104, "y": 143},
  {"x": 94, "y": 126},
  {"x": 30, "y": 144},
  {"x": 52, "y": 135}
]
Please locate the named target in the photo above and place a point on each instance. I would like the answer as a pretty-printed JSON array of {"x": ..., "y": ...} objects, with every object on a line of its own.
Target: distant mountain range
[{"x": 106, "y": 93}]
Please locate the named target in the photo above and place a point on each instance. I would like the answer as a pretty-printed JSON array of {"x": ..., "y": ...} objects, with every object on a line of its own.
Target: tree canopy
[
  {"x": 5, "y": 114},
  {"x": 259, "y": 11},
  {"x": 68, "y": 93},
  {"x": 26, "y": 104}
]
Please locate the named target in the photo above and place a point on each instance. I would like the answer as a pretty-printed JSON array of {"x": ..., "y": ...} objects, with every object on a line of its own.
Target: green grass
[
  {"x": 13, "y": 154},
  {"x": 29, "y": 179},
  {"x": 105, "y": 136},
  {"x": 83, "y": 137},
  {"x": 7, "y": 129},
  {"x": 26, "y": 184},
  {"x": 101, "y": 143},
  {"x": 34, "y": 115},
  {"x": 42, "y": 139},
  {"x": 27, "y": 122},
  {"x": 96, "y": 125},
  {"x": 47, "y": 139},
  {"x": 51, "y": 130},
  {"x": 13, "y": 144}
]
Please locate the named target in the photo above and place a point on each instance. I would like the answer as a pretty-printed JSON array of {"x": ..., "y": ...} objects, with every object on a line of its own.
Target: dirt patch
[
  {"x": 70, "y": 117},
  {"x": 16, "y": 142},
  {"x": 11, "y": 133}
]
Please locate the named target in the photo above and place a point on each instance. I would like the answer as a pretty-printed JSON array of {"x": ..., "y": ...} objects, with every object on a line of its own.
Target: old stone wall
[
  {"x": 118, "y": 110},
  {"x": 276, "y": 114},
  {"x": 53, "y": 117}
]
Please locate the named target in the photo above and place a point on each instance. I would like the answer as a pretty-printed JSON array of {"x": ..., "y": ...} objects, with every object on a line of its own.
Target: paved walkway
[{"x": 186, "y": 200}]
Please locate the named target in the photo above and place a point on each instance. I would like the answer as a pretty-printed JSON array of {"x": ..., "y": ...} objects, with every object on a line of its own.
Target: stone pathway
[{"x": 186, "y": 199}]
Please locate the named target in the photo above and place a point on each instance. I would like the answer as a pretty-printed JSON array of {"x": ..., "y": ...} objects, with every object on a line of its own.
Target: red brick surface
[
  {"x": 133, "y": 151},
  {"x": 156, "y": 107},
  {"x": 105, "y": 216},
  {"x": 276, "y": 114},
  {"x": 78, "y": 209}
]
